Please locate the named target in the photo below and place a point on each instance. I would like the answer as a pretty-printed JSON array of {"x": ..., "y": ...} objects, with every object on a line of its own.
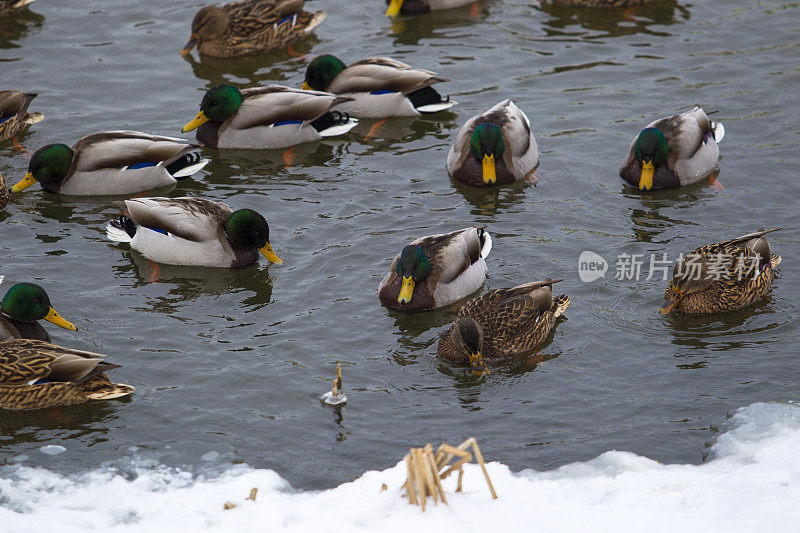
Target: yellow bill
[
  {"x": 198, "y": 121},
  {"x": 188, "y": 46},
  {"x": 394, "y": 8},
  {"x": 271, "y": 256},
  {"x": 56, "y": 319},
  {"x": 306, "y": 86},
  {"x": 646, "y": 179},
  {"x": 674, "y": 300},
  {"x": 26, "y": 182},
  {"x": 406, "y": 291},
  {"x": 489, "y": 174}
]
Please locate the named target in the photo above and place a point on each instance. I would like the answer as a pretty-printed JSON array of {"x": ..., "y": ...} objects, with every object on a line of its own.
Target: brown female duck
[
  {"x": 503, "y": 322},
  {"x": 250, "y": 27},
  {"x": 36, "y": 374},
  {"x": 721, "y": 277},
  {"x": 14, "y": 114}
]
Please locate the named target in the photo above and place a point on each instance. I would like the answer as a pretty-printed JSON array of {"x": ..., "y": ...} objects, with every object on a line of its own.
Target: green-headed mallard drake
[
  {"x": 22, "y": 306},
  {"x": 14, "y": 114},
  {"x": 380, "y": 87},
  {"x": 496, "y": 146},
  {"x": 267, "y": 117},
  {"x": 503, "y": 322},
  {"x": 674, "y": 151},
  {"x": 436, "y": 270},
  {"x": 112, "y": 162},
  {"x": 415, "y": 7},
  {"x": 35, "y": 374},
  {"x": 722, "y": 277},
  {"x": 193, "y": 231},
  {"x": 12, "y": 6},
  {"x": 250, "y": 27},
  {"x": 4, "y": 196}
]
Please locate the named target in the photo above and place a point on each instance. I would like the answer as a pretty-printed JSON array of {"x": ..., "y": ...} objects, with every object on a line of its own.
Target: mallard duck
[
  {"x": 267, "y": 117},
  {"x": 436, "y": 270},
  {"x": 494, "y": 147},
  {"x": 674, "y": 151},
  {"x": 35, "y": 374},
  {"x": 379, "y": 87},
  {"x": 112, "y": 162},
  {"x": 503, "y": 322},
  {"x": 4, "y": 196},
  {"x": 22, "y": 306},
  {"x": 11, "y": 6},
  {"x": 250, "y": 27},
  {"x": 722, "y": 277},
  {"x": 415, "y": 7},
  {"x": 14, "y": 114},
  {"x": 193, "y": 231}
]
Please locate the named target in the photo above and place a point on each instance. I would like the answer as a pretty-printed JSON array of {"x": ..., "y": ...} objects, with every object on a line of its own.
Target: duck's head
[
  {"x": 28, "y": 302},
  {"x": 249, "y": 230},
  {"x": 219, "y": 104},
  {"x": 468, "y": 338},
  {"x": 49, "y": 164},
  {"x": 412, "y": 268},
  {"x": 322, "y": 71},
  {"x": 650, "y": 150},
  {"x": 691, "y": 274},
  {"x": 394, "y": 7},
  {"x": 209, "y": 23},
  {"x": 487, "y": 146}
]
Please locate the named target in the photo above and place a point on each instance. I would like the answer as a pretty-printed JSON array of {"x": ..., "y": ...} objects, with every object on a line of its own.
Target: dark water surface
[{"x": 233, "y": 361}]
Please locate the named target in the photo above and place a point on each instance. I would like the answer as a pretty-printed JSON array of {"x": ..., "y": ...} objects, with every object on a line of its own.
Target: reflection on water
[
  {"x": 614, "y": 22},
  {"x": 488, "y": 201},
  {"x": 410, "y": 30},
  {"x": 15, "y": 27},
  {"x": 648, "y": 220}
]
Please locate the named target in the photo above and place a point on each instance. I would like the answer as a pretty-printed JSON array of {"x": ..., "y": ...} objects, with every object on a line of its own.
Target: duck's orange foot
[
  {"x": 474, "y": 12},
  {"x": 156, "y": 271},
  {"x": 375, "y": 129},
  {"x": 292, "y": 53},
  {"x": 58, "y": 415},
  {"x": 18, "y": 146},
  {"x": 629, "y": 13},
  {"x": 289, "y": 157},
  {"x": 716, "y": 183}
]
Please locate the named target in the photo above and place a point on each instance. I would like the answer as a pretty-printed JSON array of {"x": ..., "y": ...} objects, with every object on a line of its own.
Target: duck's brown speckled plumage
[
  {"x": 513, "y": 320},
  {"x": 12, "y": 6},
  {"x": 71, "y": 376},
  {"x": 254, "y": 26},
  {"x": 4, "y": 195},
  {"x": 14, "y": 114},
  {"x": 729, "y": 292}
]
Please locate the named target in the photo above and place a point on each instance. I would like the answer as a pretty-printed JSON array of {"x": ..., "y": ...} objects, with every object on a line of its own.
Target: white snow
[{"x": 751, "y": 483}]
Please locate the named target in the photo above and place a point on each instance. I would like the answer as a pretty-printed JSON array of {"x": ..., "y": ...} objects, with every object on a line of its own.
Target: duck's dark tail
[
  {"x": 185, "y": 165},
  {"x": 560, "y": 303},
  {"x": 122, "y": 230},
  {"x": 428, "y": 100},
  {"x": 334, "y": 123}
]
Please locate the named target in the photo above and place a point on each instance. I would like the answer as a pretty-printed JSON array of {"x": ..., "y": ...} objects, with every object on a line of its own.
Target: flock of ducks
[{"x": 492, "y": 148}]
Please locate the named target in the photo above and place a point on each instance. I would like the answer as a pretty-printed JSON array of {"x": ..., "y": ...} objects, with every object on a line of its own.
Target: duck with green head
[
  {"x": 250, "y": 27},
  {"x": 22, "y": 306},
  {"x": 673, "y": 151},
  {"x": 722, "y": 277},
  {"x": 110, "y": 163},
  {"x": 436, "y": 270},
  {"x": 378, "y": 87},
  {"x": 14, "y": 116},
  {"x": 503, "y": 322},
  {"x": 494, "y": 147},
  {"x": 267, "y": 117},
  {"x": 193, "y": 231},
  {"x": 416, "y": 7}
]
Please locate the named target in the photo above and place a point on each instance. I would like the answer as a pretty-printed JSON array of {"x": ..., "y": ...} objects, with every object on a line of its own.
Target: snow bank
[{"x": 752, "y": 482}]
